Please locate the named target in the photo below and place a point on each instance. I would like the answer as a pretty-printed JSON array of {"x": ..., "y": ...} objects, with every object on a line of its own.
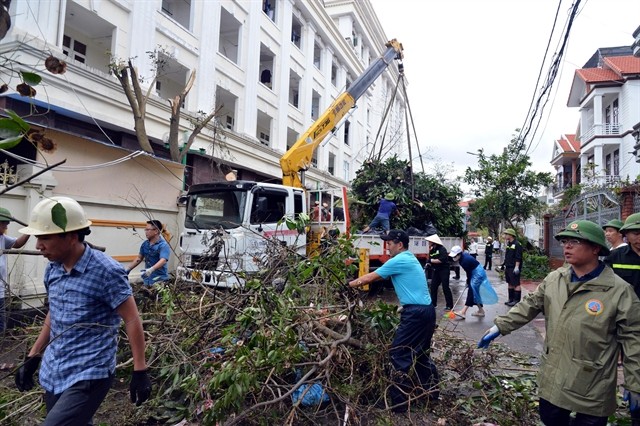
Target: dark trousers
[
  {"x": 456, "y": 272},
  {"x": 409, "y": 354},
  {"x": 552, "y": 415},
  {"x": 76, "y": 405},
  {"x": 488, "y": 259},
  {"x": 441, "y": 276},
  {"x": 512, "y": 279}
]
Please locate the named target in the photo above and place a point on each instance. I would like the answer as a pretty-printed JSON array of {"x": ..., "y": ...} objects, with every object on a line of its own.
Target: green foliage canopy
[
  {"x": 433, "y": 197},
  {"x": 505, "y": 186}
]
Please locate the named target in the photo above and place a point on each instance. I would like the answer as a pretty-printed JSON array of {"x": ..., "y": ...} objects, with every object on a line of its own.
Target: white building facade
[{"x": 270, "y": 67}]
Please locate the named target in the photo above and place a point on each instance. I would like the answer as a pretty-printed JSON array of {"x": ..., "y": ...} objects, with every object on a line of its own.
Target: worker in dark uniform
[
  {"x": 488, "y": 254},
  {"x": 512, "y": 265},
  {"x": 625, "y": 261},
  {"x": 439, "y": 261}
]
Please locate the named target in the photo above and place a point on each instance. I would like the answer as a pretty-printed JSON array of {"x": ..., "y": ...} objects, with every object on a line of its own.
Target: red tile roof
[
  {"x": 623, "y": 64},
  {"x": 614, "y": 68}
]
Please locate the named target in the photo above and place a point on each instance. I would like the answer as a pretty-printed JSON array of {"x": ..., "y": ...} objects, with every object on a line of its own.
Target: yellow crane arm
[{"x": 298, "y": 157}]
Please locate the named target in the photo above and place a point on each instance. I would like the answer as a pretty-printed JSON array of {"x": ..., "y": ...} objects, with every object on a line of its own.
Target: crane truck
[{"x": 228, "y": 224}]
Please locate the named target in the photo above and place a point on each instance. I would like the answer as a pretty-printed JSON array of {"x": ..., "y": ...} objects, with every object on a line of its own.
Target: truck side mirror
[{"x": 182, "y": 200}]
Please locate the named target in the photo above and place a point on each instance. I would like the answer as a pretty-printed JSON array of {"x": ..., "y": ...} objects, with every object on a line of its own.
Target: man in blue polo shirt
[
  {"x": 155, "y": 252},
  {"x": 412, "y": 341},
  {"x": 89, "y": 295}
]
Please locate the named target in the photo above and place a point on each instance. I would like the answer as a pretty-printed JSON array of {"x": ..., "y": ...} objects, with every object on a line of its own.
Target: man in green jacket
[{"x": 590, "y": 314}]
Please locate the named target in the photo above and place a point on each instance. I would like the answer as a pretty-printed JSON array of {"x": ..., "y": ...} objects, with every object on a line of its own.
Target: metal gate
[{"x": 599, "y": 206}]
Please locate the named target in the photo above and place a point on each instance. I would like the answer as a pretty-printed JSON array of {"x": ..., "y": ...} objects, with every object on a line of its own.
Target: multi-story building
[
  {"x": 607, "y": 91},
  {"x": 269, "y": 68},
  {"x": 566, "y": 160}
]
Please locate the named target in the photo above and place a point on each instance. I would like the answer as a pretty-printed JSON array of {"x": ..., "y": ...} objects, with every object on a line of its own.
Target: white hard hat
[
  {"x": 455, "y": 250},
  {"x": 56, "y": 215},
  {"x": 434, "y": 239}
]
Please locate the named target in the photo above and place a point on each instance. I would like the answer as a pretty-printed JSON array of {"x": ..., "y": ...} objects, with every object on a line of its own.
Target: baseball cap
[
  {"x": 396, "y": 234},
  {"x": 455, "y": 250}
]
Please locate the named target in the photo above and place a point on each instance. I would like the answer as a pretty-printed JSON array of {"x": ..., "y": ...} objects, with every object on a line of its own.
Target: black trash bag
[
  {"x": 415, "y": 232},
  {"x": 429, "y": 229}
]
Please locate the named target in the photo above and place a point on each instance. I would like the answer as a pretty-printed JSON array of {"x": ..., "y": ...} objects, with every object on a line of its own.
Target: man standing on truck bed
[
  {"x": 412, "y": 341},
  {"x": 385, "y": 210}
]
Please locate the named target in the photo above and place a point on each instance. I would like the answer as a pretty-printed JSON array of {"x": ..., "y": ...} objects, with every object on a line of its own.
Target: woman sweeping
[{"x": 480, "y": 291}]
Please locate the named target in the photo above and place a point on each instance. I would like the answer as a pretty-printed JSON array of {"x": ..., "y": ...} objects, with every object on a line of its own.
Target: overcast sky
[{"x": 472, "y": 67}]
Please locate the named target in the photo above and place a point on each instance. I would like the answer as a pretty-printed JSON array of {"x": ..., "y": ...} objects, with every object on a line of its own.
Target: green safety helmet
[
  {"x": 510, "y": 231},
  {"x": 632, "y": 222},
  {"x": 5, "y": 215},
  {"x": 614, "y": 223},
  {"x": 585, "y": 230}
]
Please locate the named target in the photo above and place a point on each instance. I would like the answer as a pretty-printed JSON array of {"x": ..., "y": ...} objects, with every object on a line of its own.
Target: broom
[{"x": 451, "y": 314}]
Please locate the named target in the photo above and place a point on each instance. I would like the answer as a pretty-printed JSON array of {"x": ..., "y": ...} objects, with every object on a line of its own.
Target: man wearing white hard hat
[{"x": 89, "y": 294}]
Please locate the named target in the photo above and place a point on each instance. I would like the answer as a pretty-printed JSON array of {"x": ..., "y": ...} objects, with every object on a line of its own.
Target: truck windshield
[{"x": 212, "y": 210}]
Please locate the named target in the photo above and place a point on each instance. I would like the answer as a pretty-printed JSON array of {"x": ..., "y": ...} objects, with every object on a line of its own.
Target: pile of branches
[{"x": 296, "y": 346}]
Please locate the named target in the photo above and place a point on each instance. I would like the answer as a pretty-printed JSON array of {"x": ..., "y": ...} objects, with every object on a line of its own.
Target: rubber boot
[
  {"x": 511, "y": 296},
  {"x": 516, "y": 298}
]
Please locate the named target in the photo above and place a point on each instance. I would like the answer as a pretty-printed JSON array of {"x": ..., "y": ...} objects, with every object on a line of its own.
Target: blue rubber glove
[
  {"x": 491, "y": 334},
  {"x": 634, "y": 401}
]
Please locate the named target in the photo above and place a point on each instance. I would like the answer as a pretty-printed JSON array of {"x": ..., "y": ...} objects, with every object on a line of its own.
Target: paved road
[{"x": 528, "y": 339}]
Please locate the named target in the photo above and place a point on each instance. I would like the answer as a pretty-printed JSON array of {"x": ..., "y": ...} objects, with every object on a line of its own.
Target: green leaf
[
  {"x": 59, "y": 216},
  {"x": 9, "y": 128},
  {"x": 32, "y": 79},
  {"x": 10, "y": 142},
  {"x": 18, "y": 120}
]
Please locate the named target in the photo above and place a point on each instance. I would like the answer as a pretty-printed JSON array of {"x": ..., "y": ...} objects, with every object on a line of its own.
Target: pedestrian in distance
[
  {"x": 479, "y": 289},
  {"x": 6, "y": 243},
  {"x": 473, "y": 249},
  {"x": 155, "y": 252},
  {"x": 382, "y": 219},
  {"x": 439, "y": 261},
  {"x": 591, "y": 315},
  {"x": 613, "y": 235},
  {"x": 488, "y": 254},
  {"x": 496, "y": 246},
  {"x": 89, "y": 295},
  {"x": 512, "y": 265},
  {"x": 412, "y": 341},
  {"x": 625, "y": 260}
]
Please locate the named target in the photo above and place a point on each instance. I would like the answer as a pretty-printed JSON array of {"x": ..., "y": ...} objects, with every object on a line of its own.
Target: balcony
[
  {"x": 604, "y": 181},
  {"x": 558, "y": 189},
  {"x": 600, "y": 130}
]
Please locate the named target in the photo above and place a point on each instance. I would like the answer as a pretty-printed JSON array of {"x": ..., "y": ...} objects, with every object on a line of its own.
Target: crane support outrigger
[{"x": 298, "y": 158}]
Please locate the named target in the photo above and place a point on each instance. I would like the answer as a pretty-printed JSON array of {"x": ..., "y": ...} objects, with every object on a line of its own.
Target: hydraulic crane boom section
[{"x": 298, "y": 157}]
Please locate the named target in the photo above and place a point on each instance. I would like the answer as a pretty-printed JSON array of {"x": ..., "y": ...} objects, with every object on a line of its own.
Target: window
[
  {"x": 616, "y": 162},
  {"x": 74, "y": 49},
  {"x": 347, "y": 125},
  {"x": 334, "y": 73},
  {"x": 267, "y": 59},
  {"x": 345, "y": 170},
  {"x": 269, "y": 7},
  {"x": 315, "y": 104},
  {"x": 332, "y": 161},
  {"x": 296, "y": 31},
  {"x": 268, "y": 206},
  {"x": 317, "y": 55},
  {"x": 264, "y": 138},
  {"x": 229, "y": 36},
  {"x": 607, "y": 164},
  {"x": 178, "y": 10}
]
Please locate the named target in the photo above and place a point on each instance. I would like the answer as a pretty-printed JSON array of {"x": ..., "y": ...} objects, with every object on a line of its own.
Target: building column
[
  {"x": 597, "y": 115},
  {"x": 574, "y": 172},
  {"x": 598, "y": 159}
]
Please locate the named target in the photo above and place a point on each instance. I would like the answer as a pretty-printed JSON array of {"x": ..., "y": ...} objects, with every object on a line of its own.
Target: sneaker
[
  {"x": 478, "y": 314},
  {"x": 512, "y": 303},
  {"x": 447, "y": 309}
]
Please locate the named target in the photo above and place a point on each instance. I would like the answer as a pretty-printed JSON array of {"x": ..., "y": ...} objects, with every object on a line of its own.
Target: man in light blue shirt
[
  {"x": 155, "y": 252},
  {"x": 412, "y": 341}
]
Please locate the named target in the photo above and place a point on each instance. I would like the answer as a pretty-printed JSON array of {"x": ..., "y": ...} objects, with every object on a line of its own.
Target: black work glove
[
  {"x": 140, "y": 387},
  {"x": 24, "y": 375}
]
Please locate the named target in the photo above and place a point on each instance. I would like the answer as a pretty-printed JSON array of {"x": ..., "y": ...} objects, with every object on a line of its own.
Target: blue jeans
[
  {"x": 78, "y": 404},
  {"x": 410, "y": 350}
]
